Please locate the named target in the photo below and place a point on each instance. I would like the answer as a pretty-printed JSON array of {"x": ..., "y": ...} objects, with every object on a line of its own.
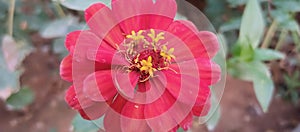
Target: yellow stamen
[
  {"x": 137, "y": 58},
  {"x": 167, "y": 54},
  {"x": 146, "y": 65},
  {"x": 136, "y": 36},
  {"x": 155, "y": 38}
]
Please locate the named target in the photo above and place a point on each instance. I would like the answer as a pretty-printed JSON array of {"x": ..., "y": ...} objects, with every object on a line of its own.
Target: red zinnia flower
[{"x": 139, "y": 68}]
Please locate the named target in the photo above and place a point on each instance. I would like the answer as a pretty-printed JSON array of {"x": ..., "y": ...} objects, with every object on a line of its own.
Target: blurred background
[{"x": 261, "y": 39}]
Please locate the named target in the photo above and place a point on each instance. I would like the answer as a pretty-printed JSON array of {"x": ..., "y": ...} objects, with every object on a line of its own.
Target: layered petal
[
  {"x": 72, "y": 99},
  {"x": 95, "y": 111},
  {"x": 144, "y": 14},
  {"x": 157, "y": 115},
  {"x": 203, "y": 44},
  {"x": 208, "y": 71},
  {"x": 159, "y": 106},
  {"x": 93, "y": 9},
  {"x": 112, "y": 122},
  {"x": 187, "y": 122},
  {"x": 106, "y": 56},
  {"x": 82, "y": 65},
  {"x": 183, "y": 87},
  {"x": 201, "y": 110},
  {"x": 133, "y": 118},
  {"x": 126, "y": 82},
  {"x": 99, "y": 86},
  {"x": 71, "y": 40},
  {"x": 66, "y": 68},
  {"x": 109, "y": 29}
]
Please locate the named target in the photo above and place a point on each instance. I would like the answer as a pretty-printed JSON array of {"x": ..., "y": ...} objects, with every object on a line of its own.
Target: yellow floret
[
  {"x": 136, "y": 36},
  {"x": 146, "y": 65},
  {"x": 167, "y": 54},
  {"x": 155, "y": 38}
]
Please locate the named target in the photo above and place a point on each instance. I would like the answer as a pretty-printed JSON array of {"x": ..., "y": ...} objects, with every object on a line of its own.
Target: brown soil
[{"x": 241, "y": 111}]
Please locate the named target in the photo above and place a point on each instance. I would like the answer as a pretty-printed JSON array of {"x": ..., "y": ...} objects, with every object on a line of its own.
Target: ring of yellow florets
[{"x": 146, "y": 54}]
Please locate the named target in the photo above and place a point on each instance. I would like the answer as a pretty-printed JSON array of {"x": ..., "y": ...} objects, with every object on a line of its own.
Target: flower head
[{"x": 140, "y": 68}]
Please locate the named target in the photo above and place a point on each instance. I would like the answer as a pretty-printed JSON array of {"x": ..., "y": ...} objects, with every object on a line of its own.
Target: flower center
[{"x": 146, "y": 53}]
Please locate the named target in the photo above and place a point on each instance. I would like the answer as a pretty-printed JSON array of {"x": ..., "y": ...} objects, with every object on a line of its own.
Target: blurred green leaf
[
  {"x": 214, "y": 120},
  {"x": 267, "y": 55},
  {"x": 252, "y": 27},
  {"x": 263, "y": 88},
  {"x": 3, "y": 9},
  {"x": 180, "y": 130},
  {"x": 232, "y": 24},
  {"x": 77, "y": 26},
  {"x": 9, "y": 82},
  {"x": 21, "y": 99},
  {"x": 58, "y": 28},
  {"x": 243, "y": 70},
  {"x": 215, "y": 10},
  {"x": 295, "y": 97},
  {"x": 247, "y": 52},
  {"x": 223, "y": 45},
  {"x": 293, "y": 81},
  {"x": 287, "y": 5},
  {"x": 179, "y": 16},
  {"x": 33, "y": 22},
  {"x": 14, "y": 52},
  {"x": 81, "y": 125},
  {"x": 293, "y": 86},
  {"x": 296, "y": 39},
  {"x": 81, "y": 5},
  {"x": 59, "y": 47},
  {"x": 214, "y": 114},
  {"x": 235, "y": 3},
  {"x": 258, "y": 73},
  {"x": 286, "y": 20}
]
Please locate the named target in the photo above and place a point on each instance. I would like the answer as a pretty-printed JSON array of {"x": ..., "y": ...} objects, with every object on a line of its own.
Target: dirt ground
[{"x": 49, "y": 112}]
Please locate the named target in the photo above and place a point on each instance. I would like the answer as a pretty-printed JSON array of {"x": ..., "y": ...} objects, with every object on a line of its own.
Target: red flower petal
[
  {"x": 210, "y": 42},
  {"x": 134, "y": 125},
  {"x": 66, "y": 68},
  {"x": 159, "y": 106},
  {"x": 201, "y": 110},
  {"x": 71, "y": 40},
  {"x": 82, "y": 65},
  {"x": 202, "y": 44},
  {"x": 95, "y": 111},
  {"x": 112, "y": 121},
  {"x": 106, "y": 56},
  {"x": 93, "y": 9},
  {"x": 144, "y": 14},
  {"x": 72, "y": 99},
  {"x": 99, "y": 86},
  {"x": 187, "y": 122},
  {"x": 183, "y": 87},
  {"x": 160, "y": 8},
  {"x": 112, "y": 117},
  {"x": 156, "y": 87},
  {"x": 208, "y": 71},
  {"x": 130, "y": 18},
  {"x": 126, "y": 82},
  {"x": 157, "y": 115},
  {"x": 133, "y": 118},
  {"x": 101, "y": 21}
]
